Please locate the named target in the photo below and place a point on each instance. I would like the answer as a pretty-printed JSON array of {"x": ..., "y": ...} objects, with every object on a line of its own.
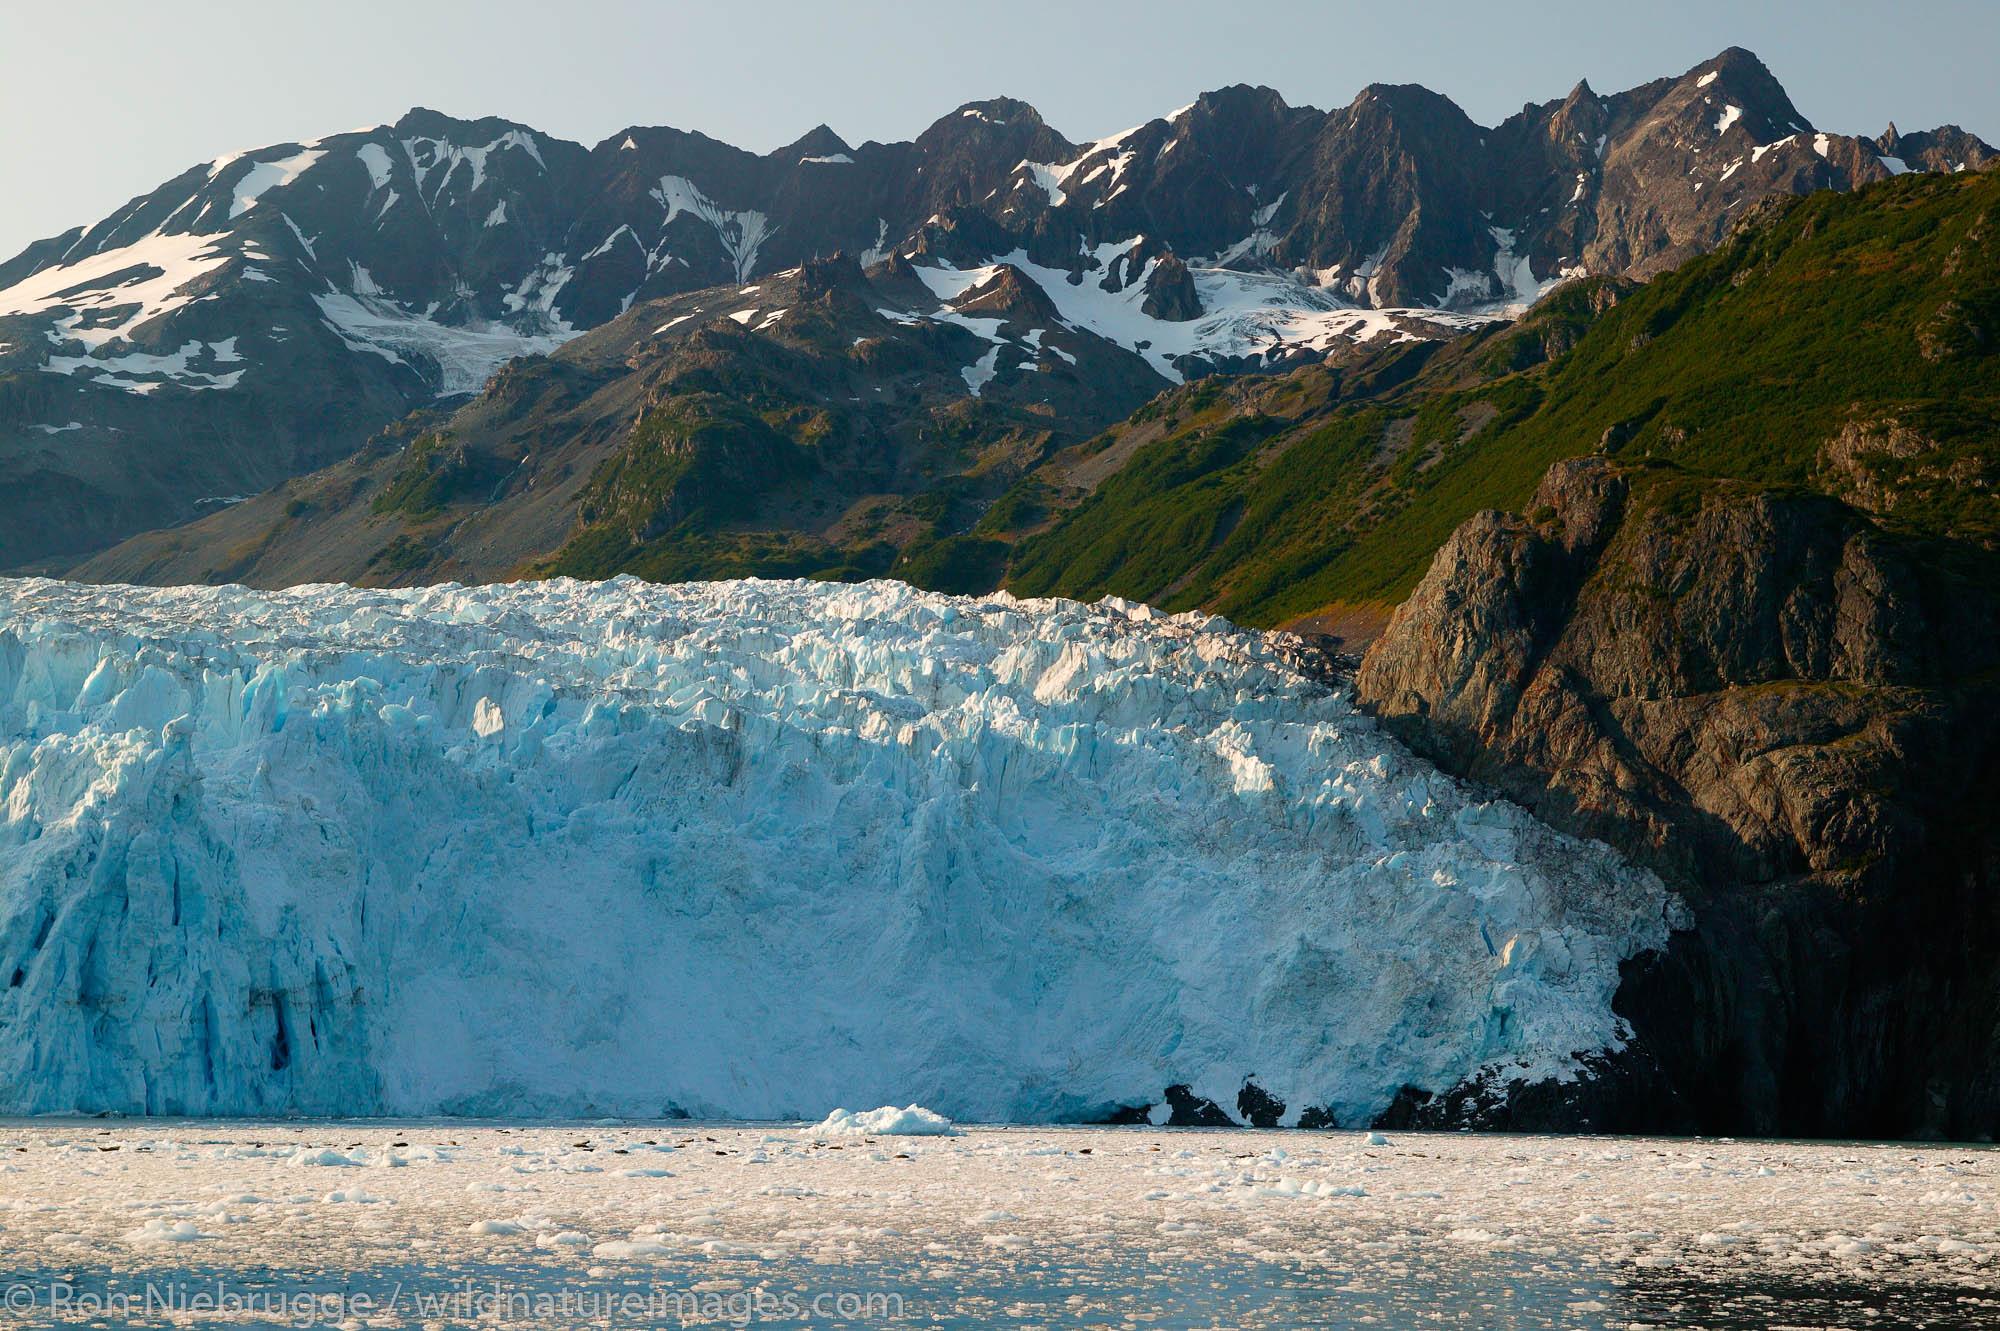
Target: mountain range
[{"x": 1000, "y": 293}]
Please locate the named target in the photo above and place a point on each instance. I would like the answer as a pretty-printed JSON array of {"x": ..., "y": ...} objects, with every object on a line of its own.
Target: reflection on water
[
  {"x": 1775, "y": 1300},
  {"x": 1121, "y": 1288}
]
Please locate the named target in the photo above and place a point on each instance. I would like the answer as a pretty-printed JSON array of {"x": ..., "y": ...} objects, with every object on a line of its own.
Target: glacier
[{"x": 748, "y": 849}]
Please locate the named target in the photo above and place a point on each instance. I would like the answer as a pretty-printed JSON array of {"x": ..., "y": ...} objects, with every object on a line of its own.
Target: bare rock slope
[{"x": 1793, "y": 714}]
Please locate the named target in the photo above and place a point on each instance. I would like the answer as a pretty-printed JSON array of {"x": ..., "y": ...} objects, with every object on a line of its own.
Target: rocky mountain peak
[
  {"x": 840, "y": 272},
  {"x": 1011, "y": 295},
  {"x": 1737, "y": 79},
  {"x": 1409, "y": 104},
  {"x": 1239, "y": 101},
  {"x": 997, "y": 119},
  {"x": 820, "y": 142},
  {"x": 423, "y": 122}
]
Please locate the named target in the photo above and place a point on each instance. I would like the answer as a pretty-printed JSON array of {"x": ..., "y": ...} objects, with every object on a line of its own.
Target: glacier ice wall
[{"x": 750, "y": 849}]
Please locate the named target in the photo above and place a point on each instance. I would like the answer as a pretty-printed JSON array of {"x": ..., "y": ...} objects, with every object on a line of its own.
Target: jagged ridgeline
[{"x": 1006, "y": 295}]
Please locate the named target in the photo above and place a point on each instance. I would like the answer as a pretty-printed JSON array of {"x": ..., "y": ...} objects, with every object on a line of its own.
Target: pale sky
[{"x": 105, "y": 99}]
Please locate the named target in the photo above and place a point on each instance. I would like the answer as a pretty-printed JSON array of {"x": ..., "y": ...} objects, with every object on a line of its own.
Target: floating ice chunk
[
  {"x": 888, "y": 1121},
  {"x": 625, "y": 1248},
  {"x": 167, "y": 1231}
]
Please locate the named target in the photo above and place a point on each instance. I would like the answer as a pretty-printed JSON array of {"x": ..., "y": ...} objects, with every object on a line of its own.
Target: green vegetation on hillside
[{"x": 1842, "y": 342}]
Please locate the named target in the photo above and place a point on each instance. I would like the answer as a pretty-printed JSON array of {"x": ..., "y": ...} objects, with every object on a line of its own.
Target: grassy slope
[{"x": 1828, "y": 310}]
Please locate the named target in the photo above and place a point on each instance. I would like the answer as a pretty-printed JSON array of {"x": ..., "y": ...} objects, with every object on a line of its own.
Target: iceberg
[
  {"x": 888, "y": 1121},
  {"x": 747, "y": 849}
]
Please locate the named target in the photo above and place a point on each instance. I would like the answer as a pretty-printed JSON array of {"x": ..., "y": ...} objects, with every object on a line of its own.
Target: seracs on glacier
[{"x": 752, "y": 849}]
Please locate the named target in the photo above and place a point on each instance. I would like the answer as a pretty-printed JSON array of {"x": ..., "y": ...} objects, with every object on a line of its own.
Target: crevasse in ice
[{"x": 751, "y": 849}]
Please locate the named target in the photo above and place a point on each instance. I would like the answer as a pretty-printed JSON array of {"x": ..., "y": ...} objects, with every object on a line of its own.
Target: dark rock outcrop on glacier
[
  {"x": 1794, "y": 715},
  {"x": 1171, "y": 293}
]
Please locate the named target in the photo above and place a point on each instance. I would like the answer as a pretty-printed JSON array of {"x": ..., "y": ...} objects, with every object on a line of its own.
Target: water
[{"x": 449, "y": 1223}]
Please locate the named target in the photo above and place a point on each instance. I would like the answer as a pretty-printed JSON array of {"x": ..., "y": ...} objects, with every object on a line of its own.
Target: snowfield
[
  {"x": 435, "y": 1224},
  {"x": 750, "y": 849}
]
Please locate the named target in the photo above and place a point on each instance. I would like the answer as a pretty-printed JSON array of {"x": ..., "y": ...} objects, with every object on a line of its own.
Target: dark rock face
[
  {"x": 1792, "y": 715},
  {"x": 1170, "y": 292},
  {"x": 1258, "y": 1107},
  {"x": 1188, "y": 1110},
  {"x": 1628, "y": 1093},
  {"x": 1946, "y": 148}
]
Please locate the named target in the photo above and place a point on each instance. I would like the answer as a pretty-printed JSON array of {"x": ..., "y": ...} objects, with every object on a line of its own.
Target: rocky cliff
[{"x": 1790, "y": 711}]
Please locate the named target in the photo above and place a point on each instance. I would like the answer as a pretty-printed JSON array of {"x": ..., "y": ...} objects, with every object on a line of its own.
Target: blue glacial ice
[{"x": 753, "y": 849}]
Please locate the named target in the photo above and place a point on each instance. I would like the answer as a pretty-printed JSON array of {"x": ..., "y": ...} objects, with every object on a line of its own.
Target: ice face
[{"x": 751, "y": 849}]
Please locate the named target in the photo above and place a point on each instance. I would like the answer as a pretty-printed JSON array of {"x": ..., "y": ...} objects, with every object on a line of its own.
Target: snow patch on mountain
[
  {"x": 981, "y": 372},
  {"x": 1047, "y": 178},
  {"x": 427, "y": 155},
  {"x": 376, "y": 158},
  {"x": 1757, "y": 152},
  {"x": 535, "y": 294},
  {"x": 751, "y": 849},
  {"x": 1519, "y": 288},
  {"x": 136, "y": 282},
  {"x": 742, "y": 233},
  {"x": 1245, "y": 313},
  {"x": 881, "y": 249},
  {"x": 262, "y": 177},
  {"x": 142, "y": 372}
]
